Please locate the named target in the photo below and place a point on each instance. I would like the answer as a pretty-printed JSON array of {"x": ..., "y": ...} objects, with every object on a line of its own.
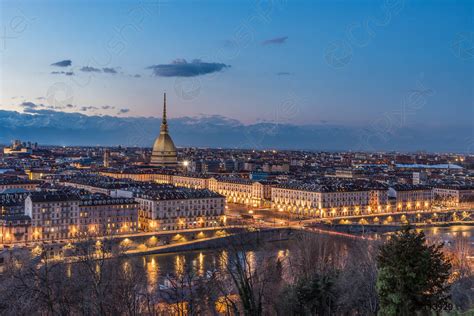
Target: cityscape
[{"x": 204, "y": 187}]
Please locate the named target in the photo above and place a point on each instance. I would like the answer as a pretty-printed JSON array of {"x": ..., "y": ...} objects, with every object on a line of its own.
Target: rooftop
[{"x": 326, "y": 185}]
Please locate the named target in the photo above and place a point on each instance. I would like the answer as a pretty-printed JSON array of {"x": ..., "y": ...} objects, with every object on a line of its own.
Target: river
[{"x": 157, "y": 267}]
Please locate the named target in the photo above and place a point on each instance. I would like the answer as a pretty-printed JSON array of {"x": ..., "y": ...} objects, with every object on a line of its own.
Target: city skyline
[
  {"x": 75, "y": 129},
  {"x": 246, "y": 157},
  {"x": 362, "y": 78}
]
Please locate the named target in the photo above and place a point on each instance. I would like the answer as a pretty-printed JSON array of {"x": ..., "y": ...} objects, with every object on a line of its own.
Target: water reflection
[
  {"x": 152, "y": 269},
  {"x": 159, "y": 269},
  {"x": 180, "y": 261},
  {"x": 451, "y": 232}
]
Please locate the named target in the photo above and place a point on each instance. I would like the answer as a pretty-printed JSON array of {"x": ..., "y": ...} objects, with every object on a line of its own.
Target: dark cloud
[
  {"x": 107, "y": 107},
  {"x": 67, "y": 73},
  {"x": 137, "y": 76},
  {"x": 40, "y": 98},
  {"x": 283, "y": 73},
  {"x": 62, "y": 63},
  {"x": 181, "y": 68},
  {"x": 90, "y": 69},
  {"x": 88, "y": 108},
  {"x": 109, "y": 70},
  {"x": 123, "y": 111},
  {"x": 70, "y": 106},
  {"x": 30, "y": 105},
  {"x": 275, "y": 41}
]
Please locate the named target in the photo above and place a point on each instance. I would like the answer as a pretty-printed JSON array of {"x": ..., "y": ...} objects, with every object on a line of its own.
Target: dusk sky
[{"x": 347, "y": 63}]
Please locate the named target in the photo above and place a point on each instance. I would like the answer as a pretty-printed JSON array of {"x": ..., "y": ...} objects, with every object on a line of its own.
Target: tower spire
[
  {"x": 164, "y": 124},
  {"x": 164, "y": 108}
]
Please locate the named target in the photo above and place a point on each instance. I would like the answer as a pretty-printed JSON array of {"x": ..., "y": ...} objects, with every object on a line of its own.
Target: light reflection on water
[
  {"x": 161, "y": 266},
  {"x": 209, "y": 260},
  {"x": 152, "y": 269},
  {"x": 448, "y": 234}
]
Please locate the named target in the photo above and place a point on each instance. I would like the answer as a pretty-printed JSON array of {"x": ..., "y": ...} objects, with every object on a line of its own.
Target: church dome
[{"x": 164, "y": 143}]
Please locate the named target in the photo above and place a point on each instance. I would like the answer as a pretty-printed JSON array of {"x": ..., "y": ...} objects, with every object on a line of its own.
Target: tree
[
  {"x": 314, "y": 295},
  {"x": 412, "y": 275},
  {"x": 254, "y": 278},
  {"x": 359, "y": 272}
]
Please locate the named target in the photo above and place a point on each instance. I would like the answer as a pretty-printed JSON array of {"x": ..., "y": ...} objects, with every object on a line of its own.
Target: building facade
[
  {"x": 172, "y": 208},
  {"x": 454, "y": 196},
  {"x": 315, "y": 200},
  {"x": 412, "y": 197},
  {"x": 54, "y": 215},
  {"x": 242, "y": 191},
  {"x": 101, "y": 215}
]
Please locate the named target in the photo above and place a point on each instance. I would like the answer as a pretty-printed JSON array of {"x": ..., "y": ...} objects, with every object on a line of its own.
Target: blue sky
[{"x": 352, "y": 63}]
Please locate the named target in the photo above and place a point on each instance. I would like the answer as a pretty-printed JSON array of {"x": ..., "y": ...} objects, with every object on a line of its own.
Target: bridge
[{"x": 393, "y": 218}]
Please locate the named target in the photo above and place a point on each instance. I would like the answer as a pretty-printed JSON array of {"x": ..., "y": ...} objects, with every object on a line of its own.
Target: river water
[
  {"x": 160, "y": 266},
  {"x": 452, "y": 233}
]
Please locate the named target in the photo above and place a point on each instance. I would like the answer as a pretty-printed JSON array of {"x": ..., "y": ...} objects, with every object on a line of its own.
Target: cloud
[
  {"x": 90, "y": 69},
  {"x": 40, "y": 98},
  {"x": 137, "y": 76},
  {"x": 70, "y": 106},
  {"x": 62, "y": 63},
  {"x": 107, "y": 107},
  {"x": 275, "y": 41},
  {"x": 88, "y": 108},
  {"x": 283, "y": 73},
  {"x": 181, "y": 68},
  {"x": 30, "y": 105},
  {"x": 67, "y": 73},
  {"x": 109, "y": 70},
  {"x": 123, "y": 111}
]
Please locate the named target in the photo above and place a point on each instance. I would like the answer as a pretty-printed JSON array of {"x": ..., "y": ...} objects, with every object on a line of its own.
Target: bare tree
[
  {"x": 359, "y": 273},
  {"x": 254, "y": 276}
]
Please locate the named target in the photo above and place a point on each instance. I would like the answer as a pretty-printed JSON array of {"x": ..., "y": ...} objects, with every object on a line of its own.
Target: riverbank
[
  {"x": 380, "y": 228},
  {"x": 267, "y": 235}
]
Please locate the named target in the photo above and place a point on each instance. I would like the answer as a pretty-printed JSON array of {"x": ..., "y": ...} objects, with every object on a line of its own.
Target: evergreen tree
[{"x": 412, "y": 275}]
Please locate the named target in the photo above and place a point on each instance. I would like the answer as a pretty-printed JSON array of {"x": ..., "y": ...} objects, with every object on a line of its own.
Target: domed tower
[{"x": 164, "y": 151}]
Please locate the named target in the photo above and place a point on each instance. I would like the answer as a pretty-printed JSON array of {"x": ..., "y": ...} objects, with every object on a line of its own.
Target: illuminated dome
[{"x": 164, "y": 151}]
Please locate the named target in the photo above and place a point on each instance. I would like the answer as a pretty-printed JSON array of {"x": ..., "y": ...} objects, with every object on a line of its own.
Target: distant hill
[{"x": 60, "y": 128}]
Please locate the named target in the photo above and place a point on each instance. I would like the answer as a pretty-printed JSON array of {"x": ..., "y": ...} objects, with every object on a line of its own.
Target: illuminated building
[
  {"x": 164, "y": 152},
  {"x": 52, "y": 214},
  {"x": 166, "y": 207},
  {"x": 18, "y": 148},
  {"x": 14, "y": 228},
  {"x": 411, "y": 197},
  {"x": 144, "y": 175},
  {"x": 454, "y": 195},
  {"x": 243, "y": 191},
  {"x": 102, "y": 215},
  {"x": 17, "y": 183},
  {"x": 329, "y": 199},
  {"x": 106, "y": 158}
]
